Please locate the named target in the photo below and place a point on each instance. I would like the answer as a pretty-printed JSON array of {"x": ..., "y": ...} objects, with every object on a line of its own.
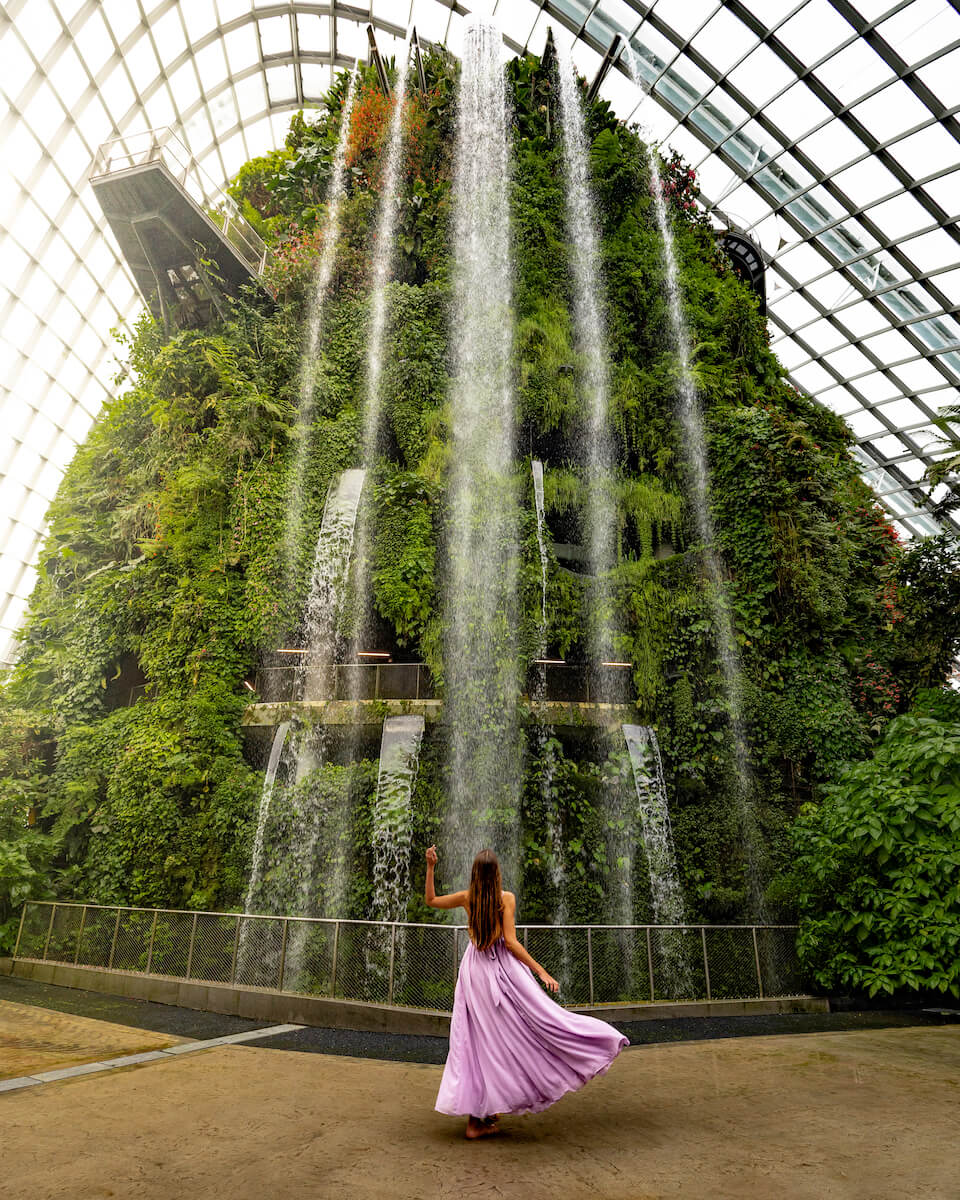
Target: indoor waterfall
[
  {"x": 695, "y": 453},
  {"x": 331, "y": 568},
  {"x": 588, "y": 321},
  {"x": 266, "y": 795},
  {"x": 296, "y": 500},
  {"x": 482, "y": 684},
  {"x": 384, "y": 250},
  {"x": 665, "y": 892},
  {"x": 393, "y": 816},
  {"x": 698, "y": 489},
  {"x": 544, "y": 733}
]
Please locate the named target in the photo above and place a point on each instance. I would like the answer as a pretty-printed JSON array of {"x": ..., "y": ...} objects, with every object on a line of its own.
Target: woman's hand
[
  {"x": 548, "y": 981},
  {"x": 432, "y": 856}
]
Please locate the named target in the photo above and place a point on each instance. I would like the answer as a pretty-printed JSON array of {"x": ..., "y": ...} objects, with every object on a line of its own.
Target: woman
[{"x": 512, "y": 1050}]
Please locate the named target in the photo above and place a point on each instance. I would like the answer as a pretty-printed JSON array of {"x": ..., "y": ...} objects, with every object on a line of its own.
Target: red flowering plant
[
  {"x": 876, "y": 693},
  {"x": 370, "y": 129},
  {"x": 680, "y": 188},
  {"x": 290, "y": 269}
]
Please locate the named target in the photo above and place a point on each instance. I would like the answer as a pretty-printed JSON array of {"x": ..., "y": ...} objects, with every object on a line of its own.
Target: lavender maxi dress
[{"x": 512, "y": 1048}]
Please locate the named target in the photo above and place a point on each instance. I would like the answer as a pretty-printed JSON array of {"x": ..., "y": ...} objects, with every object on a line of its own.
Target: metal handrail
[
  {"x": 163, "y": 146},
  {"x": 203, "y": 912},
  {"x": 387, "y": 962}
]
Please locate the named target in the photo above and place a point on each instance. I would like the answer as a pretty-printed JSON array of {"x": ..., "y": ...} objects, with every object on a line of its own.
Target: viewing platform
[
  {"x": 166, "y": 213},
  {"x": 562, "y": 694}
]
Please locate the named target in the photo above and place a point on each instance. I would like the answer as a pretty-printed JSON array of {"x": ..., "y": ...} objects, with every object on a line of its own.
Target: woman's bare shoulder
[{"x": 509, "y": 898}]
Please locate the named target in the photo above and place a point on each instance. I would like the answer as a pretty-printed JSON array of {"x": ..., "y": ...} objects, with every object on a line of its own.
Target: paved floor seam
[{"x": 129, "y": 1060}]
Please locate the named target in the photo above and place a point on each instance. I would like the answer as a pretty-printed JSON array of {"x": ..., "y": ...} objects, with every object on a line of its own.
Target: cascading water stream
[
  {"x": 331, "y": 566},
  {"x": 393, "y": 816},
  {"x": 321, "y": 284},
  {"x": 316, "y": 678},
  {"x": 695, "y": 453},
  {"x": 665, "y": 892},
  {"x": 480, "y": 654},
  {"x": 698, "y": 487},
  {"x": 536, "y": 468},
  {"x": 296, "y": 831},
  {"x": 544, "y": 733},
  {"x": 584, "y": 250},
  {"x": 269, "y": 781},
  {"x": 384, "y": 249}
]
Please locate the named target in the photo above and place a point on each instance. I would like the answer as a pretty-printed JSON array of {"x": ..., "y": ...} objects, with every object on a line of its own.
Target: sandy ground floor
[
  {"x": 36, "y": 1039},
  {"x": 870, "y": 1115}
]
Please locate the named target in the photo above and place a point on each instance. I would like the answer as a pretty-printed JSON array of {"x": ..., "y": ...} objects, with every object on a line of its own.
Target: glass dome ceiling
[{"x": 827, "y": 131}]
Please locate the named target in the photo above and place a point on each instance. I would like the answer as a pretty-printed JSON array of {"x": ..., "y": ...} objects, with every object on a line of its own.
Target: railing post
[
  {"x": 393, "y": 953},
  {"x": 83, "y": 921},
  {"x": 113, "y": 944},
  {"x": 283, "y": 954},
  {"x": 153, "y": 934},
  {"x": 456, "y": 957},
  {"x": 193, "y": 938},
  {"x": 46, "y": 940},
  {"x": 590, "y": 961},
  {"x": 706, "y": 965},
  {"x": 756, "y": 959},
  {"x": 650, "y": 961},
  {"x": 525, "y": 932},
  {"x": 236, "y": 947},
  {"x": 23, "y": 913},
  {"x": 333, "y": 965}
]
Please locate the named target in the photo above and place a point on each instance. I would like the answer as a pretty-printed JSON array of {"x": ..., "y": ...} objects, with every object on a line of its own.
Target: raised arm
[
  {"x": 512, "y": 942},
  {"x": 452, "y": 900}
]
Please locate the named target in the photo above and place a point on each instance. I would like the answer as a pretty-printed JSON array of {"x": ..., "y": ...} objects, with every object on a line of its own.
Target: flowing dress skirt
[{"x": 512, "y": 1048}]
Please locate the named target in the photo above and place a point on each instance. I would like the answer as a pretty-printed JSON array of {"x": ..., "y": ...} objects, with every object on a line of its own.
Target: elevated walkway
[
  {"x": 166, "y": 214},
  {"x": 566, "y": 714},
  {"x": 560, "y": 694}
]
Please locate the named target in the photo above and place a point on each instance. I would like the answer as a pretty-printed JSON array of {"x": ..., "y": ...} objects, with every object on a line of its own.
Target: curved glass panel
[{"x": 826, "y": 130}]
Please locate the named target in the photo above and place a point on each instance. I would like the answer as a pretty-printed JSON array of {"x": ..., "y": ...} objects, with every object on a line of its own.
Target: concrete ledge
[
  {"x": 569, "y": 714},
  {"x": 671, "y": 1009},
  {"x": 261, "y": 1004},
  {"x": 254, "y": 1003}
]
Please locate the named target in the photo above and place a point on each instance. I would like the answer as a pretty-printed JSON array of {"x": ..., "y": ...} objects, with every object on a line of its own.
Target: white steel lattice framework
[{"x": 826, "y": 129}]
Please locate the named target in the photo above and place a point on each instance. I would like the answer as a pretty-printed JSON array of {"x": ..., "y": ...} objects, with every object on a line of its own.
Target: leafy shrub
[{"x": 878, "y": 862}]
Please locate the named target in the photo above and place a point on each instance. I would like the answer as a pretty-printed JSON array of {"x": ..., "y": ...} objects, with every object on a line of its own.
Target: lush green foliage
[
  {"x": 878, "y": 861},
  {"x": 162, "y": 575}
]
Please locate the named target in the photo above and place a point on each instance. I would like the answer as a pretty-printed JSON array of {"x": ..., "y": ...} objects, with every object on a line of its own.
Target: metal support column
[
  {"x": 83, "y": 921},
  {"x": 756, "y": 960},
  {"x": 590, "y": 961},
  {"x": 333, "y": 965},
  {"x": 283, "y": 955},
  {"x": 650, "y": 961},
  {"x": 113, "y": 943},
  {"x": 393, "y": 954},
  {"x": 236, "y": 947},
  {"x": 153, "y": 934},
  {"x": 706, "y": 965},
  {"x": 193, "y": 938},
  {"x": 23, "y": 913}
]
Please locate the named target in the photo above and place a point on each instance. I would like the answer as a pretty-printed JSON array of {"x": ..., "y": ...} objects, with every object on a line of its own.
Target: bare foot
[{"x": 481, "y": 1128}]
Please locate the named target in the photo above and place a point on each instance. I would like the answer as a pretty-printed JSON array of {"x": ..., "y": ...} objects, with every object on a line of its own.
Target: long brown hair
[{"x": 485, "y": 900}]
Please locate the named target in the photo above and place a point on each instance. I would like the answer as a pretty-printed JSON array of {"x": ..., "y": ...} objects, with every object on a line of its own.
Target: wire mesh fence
[{"x": 412, "y": 965}]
